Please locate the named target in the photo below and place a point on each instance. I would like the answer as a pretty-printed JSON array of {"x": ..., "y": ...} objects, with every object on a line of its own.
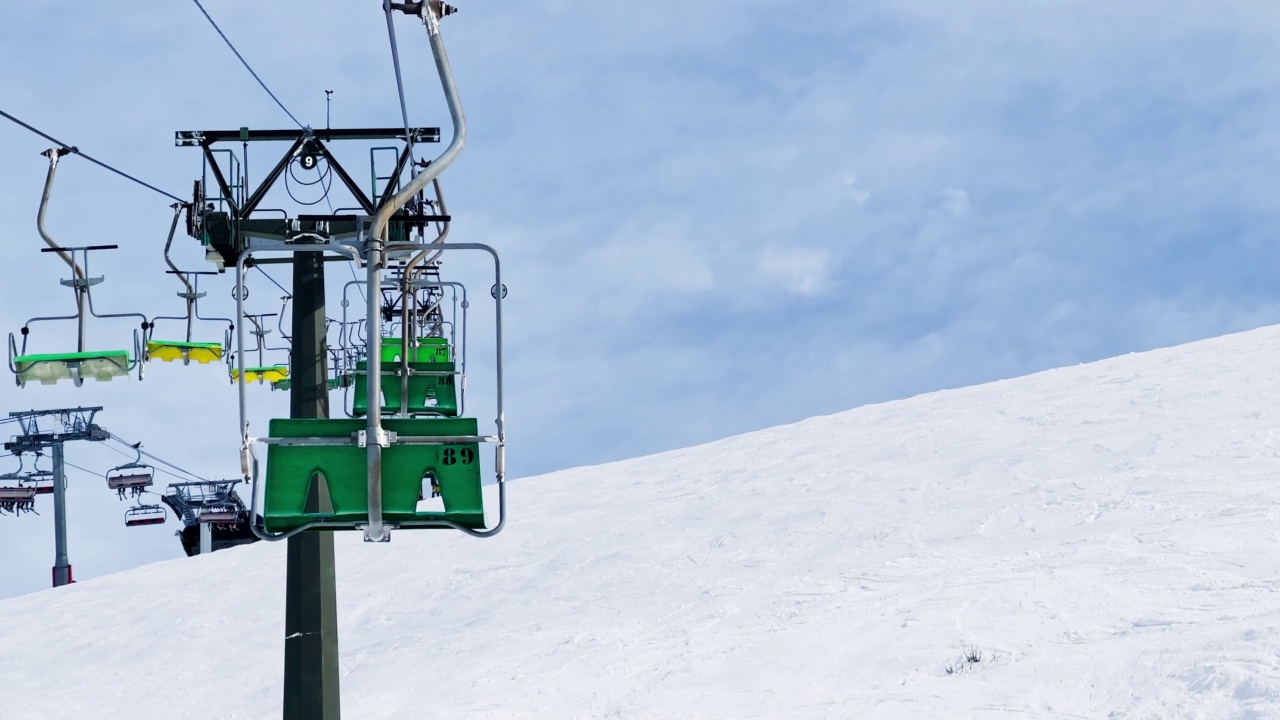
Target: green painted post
[{"x": 310, "y": 617}]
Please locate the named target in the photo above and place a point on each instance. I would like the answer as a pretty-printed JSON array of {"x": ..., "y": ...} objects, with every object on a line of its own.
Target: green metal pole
[
  {"x": 310, "y": 617},
  {"x": 61, "y": 566}
]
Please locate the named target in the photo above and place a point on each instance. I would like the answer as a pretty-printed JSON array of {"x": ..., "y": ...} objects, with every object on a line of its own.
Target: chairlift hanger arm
[
  {"x": 53, "y": 154},
  {"x": 430, "y": 12},
  {"x": 168, "y": 243}
]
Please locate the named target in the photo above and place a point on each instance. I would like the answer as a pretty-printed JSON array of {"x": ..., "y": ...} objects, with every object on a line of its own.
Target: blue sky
[{"x": 713, "y": 218}]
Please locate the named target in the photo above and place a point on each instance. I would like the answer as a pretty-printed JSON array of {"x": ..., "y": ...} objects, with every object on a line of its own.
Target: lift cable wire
[
  {"x": 82, "y": 469},
  {"x": 159, "y": 470},
  {"x": 188, "y": 473},
  {"x": 124, "y": 454},
  {"x": 93, "y": 160},
  {"x": 137, "y": 447},
  {"x": 98, "y": 475},
  {"x": 246, "y": 64},
  {"x": 273, "y": 280}
]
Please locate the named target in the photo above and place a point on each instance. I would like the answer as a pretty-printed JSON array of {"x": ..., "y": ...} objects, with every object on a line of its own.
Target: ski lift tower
[
  {"x": 71, "y": 424},
  {"x": 226, "y": 218},
  {"x": 228, "y": 223}
]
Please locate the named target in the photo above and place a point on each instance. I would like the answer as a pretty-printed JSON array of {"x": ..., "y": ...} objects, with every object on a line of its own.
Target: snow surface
[{"x": 1104, "y": 535}]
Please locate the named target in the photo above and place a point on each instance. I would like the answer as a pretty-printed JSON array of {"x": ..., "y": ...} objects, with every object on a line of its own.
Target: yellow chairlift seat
[
  {"x": 49, "y": 368},
  {"x": 269, "y": 374},
  {"x": 170, "y": 350}
]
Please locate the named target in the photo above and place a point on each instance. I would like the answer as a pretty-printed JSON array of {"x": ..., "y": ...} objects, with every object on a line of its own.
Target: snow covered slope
[{"x": 1104, "y": 536}]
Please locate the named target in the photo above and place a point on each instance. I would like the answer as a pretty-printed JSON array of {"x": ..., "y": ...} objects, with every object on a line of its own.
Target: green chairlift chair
[
  {"x": 49, "y": 368},
  {"x": 433, "y": 458},
  {"x": 101, "y": 365},
  {"x": 429, "y": 465},
  {"x": 431, "y": 381},
  {"x": 379, "y": 471}
]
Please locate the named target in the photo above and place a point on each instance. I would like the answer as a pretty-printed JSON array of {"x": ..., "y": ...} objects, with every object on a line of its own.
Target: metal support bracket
[
  {"x": 382, "y": 436},
  {"x": 81, "y": 283}
]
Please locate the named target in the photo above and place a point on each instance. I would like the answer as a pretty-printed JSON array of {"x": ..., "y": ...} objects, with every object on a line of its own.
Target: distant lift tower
[
  {"x": 212, "y": 513},
  {"x": 70, "y": 424}
]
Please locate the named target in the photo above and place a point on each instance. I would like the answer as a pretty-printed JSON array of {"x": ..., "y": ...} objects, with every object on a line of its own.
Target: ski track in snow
[{"x": 1105, "y": 535}]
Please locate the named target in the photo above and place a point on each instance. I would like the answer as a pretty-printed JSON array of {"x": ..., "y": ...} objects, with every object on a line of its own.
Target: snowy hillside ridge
[{"x": 1103, "y": 538}]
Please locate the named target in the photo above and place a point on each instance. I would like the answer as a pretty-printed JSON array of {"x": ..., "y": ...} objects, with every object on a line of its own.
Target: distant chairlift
[
  {"x": 207, "y": 501},
  {"x": 49, "y": 368},
  {"x": 226, "y": 515},
  {"x": 144, "y": 515},
  {"x": 134, "y": 477},
  {"x": 20, "y": 476},
  {"x": 17, "y": 500},
  {"x": 214, "y": 505}
]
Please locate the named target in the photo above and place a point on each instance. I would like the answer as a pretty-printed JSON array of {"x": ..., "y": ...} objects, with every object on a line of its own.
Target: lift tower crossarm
[
  {"x": 204, "y": 138},
  {"x": 238, "y": 226}
]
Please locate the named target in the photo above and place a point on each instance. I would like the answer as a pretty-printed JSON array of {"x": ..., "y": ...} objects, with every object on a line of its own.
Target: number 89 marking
[{"x": 450, "y": 456}]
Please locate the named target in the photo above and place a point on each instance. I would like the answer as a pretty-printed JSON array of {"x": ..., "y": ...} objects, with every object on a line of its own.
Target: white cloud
[
  {"x": 955, "y": 201},
  {"x": 646, "y": 265},
  {"x": 858, "y": 195},
  {"x": 801, "y": 271}
]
